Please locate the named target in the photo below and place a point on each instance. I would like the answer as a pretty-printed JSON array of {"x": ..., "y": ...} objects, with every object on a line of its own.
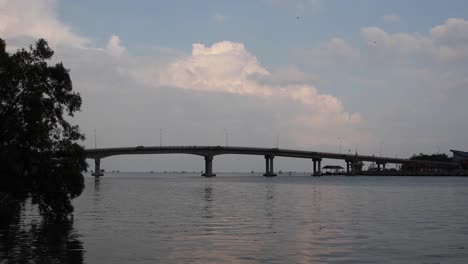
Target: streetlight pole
[
  {"x": 340, "y": 138},
  {"x": 160, "y": 137},
  {"x": 227, "y": 136},
  {"x": 381, "y": 143},
  {"x": 95, "y": 144}
]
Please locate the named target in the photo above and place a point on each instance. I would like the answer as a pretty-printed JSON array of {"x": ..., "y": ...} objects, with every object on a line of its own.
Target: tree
[
  {"x": 421, "y": 166},
  {"x": 39, "y": 152}
]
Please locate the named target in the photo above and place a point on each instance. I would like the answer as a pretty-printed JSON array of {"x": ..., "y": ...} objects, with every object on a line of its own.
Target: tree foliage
[
  {"x": 39, "y": 152},
  {"x": 426, "y": 157}
]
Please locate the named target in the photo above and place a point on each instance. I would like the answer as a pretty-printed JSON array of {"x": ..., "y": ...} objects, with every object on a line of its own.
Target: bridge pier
[
  {"x": 97, "y": 168},
  {"x": 350, "y": 167},
  {"x": 208, "y": 167},
  {"x": 383, "y": 166},
  {"x": 317, "y": 169},
  {"x": 269, "y": 170}
]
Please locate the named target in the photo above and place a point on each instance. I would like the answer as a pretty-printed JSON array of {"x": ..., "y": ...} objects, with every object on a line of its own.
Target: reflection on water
[
  {"x": 207, "y": 209},
  {"x": 97, "y": 184},
  {"x": 169, "y": 218},
  {"x": 269, "y": 203},
  {"x": 26, "y": 238}
]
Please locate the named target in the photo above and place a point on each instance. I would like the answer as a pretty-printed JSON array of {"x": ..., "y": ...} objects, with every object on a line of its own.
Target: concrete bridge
[{"x": 208, "y": 152}]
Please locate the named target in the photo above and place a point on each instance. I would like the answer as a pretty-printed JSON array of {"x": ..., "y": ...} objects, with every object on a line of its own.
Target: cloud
[
  {"x": 333, "y": 51},
  {"x": 454, "y": 33},
  {"x": 417, "y": 81},
  {"x": 446, "y": 42},
  {"x": 443, "y": 43},
  {"x": 281, "y": 99},
  {"x": 288, "y": 75},
  {"x": 113, "y": 46},
  {"x": 36, "y": 19},
  {"x": 223, "y": 67},
  {"x": 391, "y": 18},
  {"x": 227, "y": 67}
]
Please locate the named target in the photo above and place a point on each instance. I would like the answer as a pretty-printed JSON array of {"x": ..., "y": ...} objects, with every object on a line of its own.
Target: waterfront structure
[
  {"x": 208, "y": 152},
  {"x": 461, "y": 157},
  {"x": 333, "y": 169}
]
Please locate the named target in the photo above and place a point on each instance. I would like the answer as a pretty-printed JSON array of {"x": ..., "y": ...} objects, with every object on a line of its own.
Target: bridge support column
[
  {"x": 269, "y": 170},
  {"x": 349, "y": 167},
  {"x": 317, "y": 167},
  {"x": 208, "y": 167},
  {"x": 378, "y": 166},
  {"x": 97, "y": 168}
]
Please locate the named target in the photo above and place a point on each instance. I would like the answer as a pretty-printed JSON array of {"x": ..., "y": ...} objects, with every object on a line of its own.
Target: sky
[{"x": 374, "y": 76}]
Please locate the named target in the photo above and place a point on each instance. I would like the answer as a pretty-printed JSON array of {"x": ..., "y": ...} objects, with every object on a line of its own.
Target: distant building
[{"x": 461, "y": 157}]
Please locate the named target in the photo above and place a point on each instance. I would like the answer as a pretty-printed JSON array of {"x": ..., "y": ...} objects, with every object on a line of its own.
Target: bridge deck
[{"x": 220, "y": 150}]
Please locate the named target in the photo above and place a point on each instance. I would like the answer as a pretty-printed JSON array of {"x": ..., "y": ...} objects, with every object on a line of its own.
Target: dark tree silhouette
[
  {"x": 39, "y": 152},
  {"x": 432, "y": 157}
]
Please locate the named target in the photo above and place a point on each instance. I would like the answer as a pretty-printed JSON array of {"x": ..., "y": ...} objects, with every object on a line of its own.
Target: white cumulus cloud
[
  {"x": 35, "y": 19},
  {"x": 446, "y": 42},
  {"x": 228, "y": 67},
  {"x": 114, "y": 47}
]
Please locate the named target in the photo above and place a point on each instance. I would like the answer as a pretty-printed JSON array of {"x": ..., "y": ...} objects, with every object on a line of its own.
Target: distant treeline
[{"x": 428, "y": 166}]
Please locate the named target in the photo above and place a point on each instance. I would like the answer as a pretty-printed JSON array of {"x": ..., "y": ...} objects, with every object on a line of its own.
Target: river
[{"x": 247, "y": 218}]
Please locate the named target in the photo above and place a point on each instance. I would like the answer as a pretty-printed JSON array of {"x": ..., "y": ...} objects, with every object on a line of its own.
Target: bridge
[{"x": 208, "y": 152}]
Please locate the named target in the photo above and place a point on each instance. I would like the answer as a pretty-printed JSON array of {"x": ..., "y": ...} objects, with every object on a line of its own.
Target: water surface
[{"x": 247, "y": 218}]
